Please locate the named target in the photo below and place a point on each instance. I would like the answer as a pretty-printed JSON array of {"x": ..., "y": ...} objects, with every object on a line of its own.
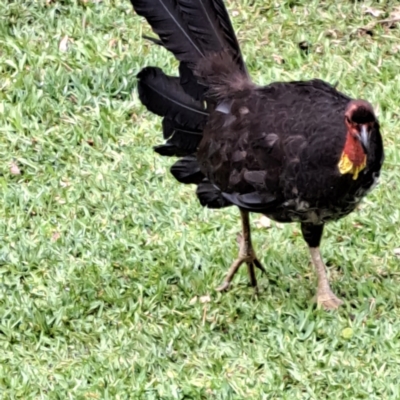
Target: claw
[{"x": 224, "y": 287}]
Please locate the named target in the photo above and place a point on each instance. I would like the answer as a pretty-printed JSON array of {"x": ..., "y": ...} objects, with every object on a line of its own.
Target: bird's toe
[
  {"x": 224, "y": 287},
  {"x": 328, "y": 300}
]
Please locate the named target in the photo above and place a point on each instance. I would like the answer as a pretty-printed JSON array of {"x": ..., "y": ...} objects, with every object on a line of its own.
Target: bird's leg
[
  {"x": 246, "y": 254},
  {"x": 325, "y": 297}
]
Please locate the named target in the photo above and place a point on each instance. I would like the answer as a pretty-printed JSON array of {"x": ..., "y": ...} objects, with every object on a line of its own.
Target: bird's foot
[
  {"x": 223, "y": 287},
  {"x": 248, "y": 256},
  {"x": 328, "y": 300}
]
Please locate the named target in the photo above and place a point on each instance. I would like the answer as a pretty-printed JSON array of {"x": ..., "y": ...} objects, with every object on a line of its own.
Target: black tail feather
[
  {"x": 169, "y": 150},
  {"x": 187, "y": 170},
  {"x": 180, "y": 142},
  {"x": 164, "y": 96},
  {"x": 156, "y": 41},
  {"x": 166, "y": 19},
  {"x": 200, "y": 35},
  {"x": 191, "y": 29},
  {"x": 170, "y": 127},
  {"x": 210, "y": 196},
  {"x": 190, "y": 83},
  {"x": 186, "y": 141},
  {"x": 209, "y": 22}
]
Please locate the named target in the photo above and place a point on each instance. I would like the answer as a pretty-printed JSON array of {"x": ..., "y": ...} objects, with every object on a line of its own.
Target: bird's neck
[{"x": 353, "y": 159}]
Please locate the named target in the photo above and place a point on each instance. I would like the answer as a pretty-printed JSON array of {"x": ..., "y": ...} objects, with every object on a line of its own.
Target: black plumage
[
  {"x": 164, "y": 96},
  {"x": 187, "y": 170},
  {"x": 165, "y": 17},
  {"x": 294, "y": 151}
]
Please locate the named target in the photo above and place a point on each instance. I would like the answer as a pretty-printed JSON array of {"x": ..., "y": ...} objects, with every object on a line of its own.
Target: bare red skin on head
[
  {"x": 352, "y": 147},
  {"x": 354, "y": 150}
]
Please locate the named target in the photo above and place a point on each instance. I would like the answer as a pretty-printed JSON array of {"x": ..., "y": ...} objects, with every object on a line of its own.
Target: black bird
[{"x": 294, "y": 151}]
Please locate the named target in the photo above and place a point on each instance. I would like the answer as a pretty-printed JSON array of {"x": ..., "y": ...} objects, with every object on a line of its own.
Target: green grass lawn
[{"x": 108, "y": 266}]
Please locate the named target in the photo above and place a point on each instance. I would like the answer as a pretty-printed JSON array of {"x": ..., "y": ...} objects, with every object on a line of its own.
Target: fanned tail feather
[
  {"x": 184, "y": 117},
  {"x": 209, "y": 22},
  {"x": 166, "y": 20},
  {"x": 200, "y": 35},
  {"x": 163, "y": 95}
]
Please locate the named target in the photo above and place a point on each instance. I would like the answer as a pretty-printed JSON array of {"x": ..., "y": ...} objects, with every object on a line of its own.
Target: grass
[{"x": 106, "y": 262}]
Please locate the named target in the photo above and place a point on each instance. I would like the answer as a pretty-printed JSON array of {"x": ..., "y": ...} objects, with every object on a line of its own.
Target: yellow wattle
[{"x": 347, "y": 167}]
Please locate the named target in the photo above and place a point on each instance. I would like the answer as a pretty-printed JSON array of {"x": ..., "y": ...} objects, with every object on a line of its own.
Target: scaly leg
[
  {"x": 246, "y": 254},
  {"x": 325, "y": 297}
]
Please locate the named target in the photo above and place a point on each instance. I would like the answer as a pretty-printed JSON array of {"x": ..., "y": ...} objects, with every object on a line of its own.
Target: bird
[{"x": 298, "y": 151}]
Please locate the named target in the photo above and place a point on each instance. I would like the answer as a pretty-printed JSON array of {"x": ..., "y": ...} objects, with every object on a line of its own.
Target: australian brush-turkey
[{"x": 294, "y": 151}]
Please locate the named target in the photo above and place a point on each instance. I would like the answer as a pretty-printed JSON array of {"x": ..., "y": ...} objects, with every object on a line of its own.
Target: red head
[{"x": 360, "y": 121}]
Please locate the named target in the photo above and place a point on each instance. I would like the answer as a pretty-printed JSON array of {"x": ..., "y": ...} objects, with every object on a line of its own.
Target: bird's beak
[{"x": 363, "y": 137}]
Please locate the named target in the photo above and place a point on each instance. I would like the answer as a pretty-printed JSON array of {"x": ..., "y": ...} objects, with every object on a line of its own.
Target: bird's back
[{"x": 276, "y": 149}]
